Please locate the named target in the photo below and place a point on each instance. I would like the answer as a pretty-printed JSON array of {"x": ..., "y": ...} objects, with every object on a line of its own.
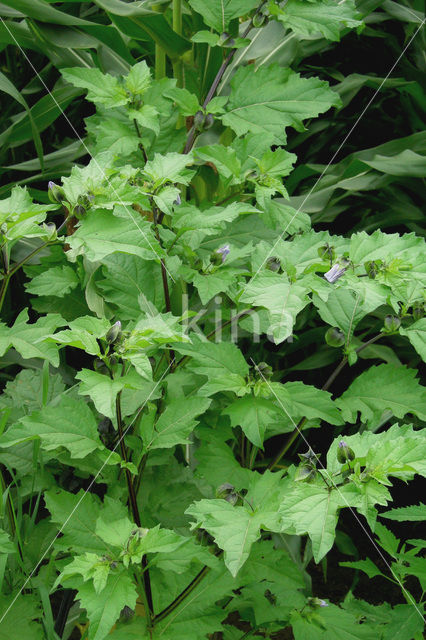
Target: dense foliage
[{"x": 212, "y": 298}]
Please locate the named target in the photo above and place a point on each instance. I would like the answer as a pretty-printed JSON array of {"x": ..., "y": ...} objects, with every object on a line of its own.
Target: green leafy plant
[{"x": 165, "y": 471}]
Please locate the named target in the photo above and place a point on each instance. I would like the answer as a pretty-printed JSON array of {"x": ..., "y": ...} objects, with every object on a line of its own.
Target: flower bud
[
  {"x": 259, "y": 19},
  {"x": 226, "y": 491},
  {"x": 55, "y": 193},
  {"x": 199, "y": 118},
  {"x": 334, "y": 337},
  {"x": 208, "y": 121},
  {"x": 344, "y": 453},
  {"x": 264, "y": 370},
  {"x": 305, "y": 472},
  {"x": 226, "y": 40},
  {"x": 113, "y": 333},
  {"x": 371, "y": 268},
  {"x": 178, "y": 201},
  {"x": 273, "y": 263},
  {"x": 418, "y": 310},
  {"x": 391, "y": 324},
  {"x": 50, "y": 230},
  {"x": 79, "y": 210},
  {"x": 326, "y": 252}
]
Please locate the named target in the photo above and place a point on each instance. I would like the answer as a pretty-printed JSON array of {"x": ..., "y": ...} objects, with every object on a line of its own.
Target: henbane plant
[{"x": 157, "y": 473}]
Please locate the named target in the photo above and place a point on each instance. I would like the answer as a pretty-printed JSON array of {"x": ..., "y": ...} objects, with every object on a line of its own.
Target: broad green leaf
[
  {"x": 314, "y": 509},
  {"x": 213, "y": 359},
  {"x": 209, "y": 285},
  {"x": 211, "y": 220},
  {"x": 101, "y": 389},
  {"x": 30, "y": 339},
  {"x": 6, "y": 544},
  {"x": 69, "y": 424},
  {"x": 367, "y": 566},
  {"x": 326, "y": 17},
  {"x": 83, "y": 333},
  {"x": 90, "y": 567},
  {"x": 75, "y": 516},
  {"x": 187, "y": 102},
  {"x": 175, "y": 423},
  {"x": 383, "y": 387},
  {"x": 416, "y": 512},
  {"x": 236, "y": 528},
  {"x": 218, "y": 13},
  {"x": 280, "y": 216},
  {"x": 283, "y": 300},
  {"x": 416, "y": 333},
  {"x": 101, "y": 233},
  {"x": 139, "y": 78},
  {"x": 211, "y": 450},
  {"x": 384, "y": 246},
  {"x": 330, "y": 623},
  {"x": 104, "y": 608},
  {"x": 169, "y": 168},
  {"x": 344, "y": 308},
  {"x": 57, "y": 281},
  {"x": 271, "y": 98},
  {"x": 224, "y": 159},
  {"x": 407, "y": 622},
  {"x": 126, "y": 278},
  {"x": 253, "y": 415},
  {"x": 21, "y": 217},
  {"x": 24, "y": 394},
  {"x": 20, "y": 618},
  {"x": 305, "y": 400},
  {"x": 102, "y": 88}
]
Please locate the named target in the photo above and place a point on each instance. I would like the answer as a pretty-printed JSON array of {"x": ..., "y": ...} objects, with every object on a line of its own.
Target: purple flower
[
  {"x": 51, "y": 184},
  {"x": 223, "y": 251},
  {"x": 342, "y": 444},
  {"x": 323, "y": 603},
  {"x": 334, "y": 273}
]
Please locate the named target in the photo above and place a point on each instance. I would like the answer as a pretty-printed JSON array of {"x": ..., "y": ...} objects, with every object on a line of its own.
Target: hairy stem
[{"x": 133, "y": 502}]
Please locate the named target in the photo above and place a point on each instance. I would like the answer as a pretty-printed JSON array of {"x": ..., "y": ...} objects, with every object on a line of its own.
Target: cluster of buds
[{"x": 203, "y": 121}]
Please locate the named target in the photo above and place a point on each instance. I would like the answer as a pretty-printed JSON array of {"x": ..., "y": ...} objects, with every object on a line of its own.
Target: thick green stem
[
  {"x": 177, "y": 27},
  {"x": 160, "y": 62}
]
